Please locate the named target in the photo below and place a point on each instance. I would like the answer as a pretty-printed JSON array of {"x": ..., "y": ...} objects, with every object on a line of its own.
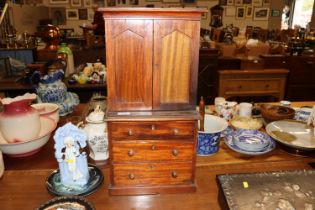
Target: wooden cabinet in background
[
  {"x": 152, "y": 70},
  {"x": 208, "y": 75},
  {"x": 301, "y": 80}
]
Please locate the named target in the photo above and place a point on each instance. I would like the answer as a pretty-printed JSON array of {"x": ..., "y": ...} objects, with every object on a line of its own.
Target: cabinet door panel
[
  {"x": 129, "y": 64},
  {"x": 175, "y": 64}
]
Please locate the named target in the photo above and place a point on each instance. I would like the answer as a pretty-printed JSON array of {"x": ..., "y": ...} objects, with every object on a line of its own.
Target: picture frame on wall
[
  {"x": 188, "y": 1},
  {"x": 72, "y": 14},
  {"x": 275, "y": 13},
  {"x": 75, "y": 3},
  {"x": 249, "y": 12},
  {"x": 58, "y": 15},
  {"x": 58, "y": 1},
  {"x": 266, "y": 2},
  {"x": 230, "y": 2},
  {"x": 261, "y": 13},
  {"x": 83, "y": 14},
  {"x": 240, "y": 12},
  {"x": 257, "y": 3},
  {"x": 247, "y": 2},
  {"x": 230, "y": 11},
  {"x": 87, "y": 3},
  {"x": 222, "y": 2},
  {"x": 238, "y": 2}
]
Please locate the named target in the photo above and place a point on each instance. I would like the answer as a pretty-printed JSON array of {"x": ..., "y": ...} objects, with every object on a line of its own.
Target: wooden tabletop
[{"x": 23, "y": 183}]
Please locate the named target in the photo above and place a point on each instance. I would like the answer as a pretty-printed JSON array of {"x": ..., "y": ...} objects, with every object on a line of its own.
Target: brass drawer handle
[
  {"x": 267, "y": 86},
  {"x": 130, "y": 133},
  {"x": 284, "y": 62},
  {"x": 174, "y": 152},
  {"x": 174, "y": 174},
  {"x": 153, "y": 147},
  {"x": 175, "y": 131},
  {"x": 255, "y": 61},
  {"x": 131, "y": 176},
  {"x": 131, "y": 153},
  {"x": 309, "y": 63},
  {"x": 153, "y": 127}
]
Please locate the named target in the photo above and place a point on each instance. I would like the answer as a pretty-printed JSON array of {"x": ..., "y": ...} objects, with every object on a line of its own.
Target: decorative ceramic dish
[
  {"x": 246, "y": 123},
  {"x": 303, "y": 113},
  {"x": 228, "y": 140},
  {"x": 272, "y": 113},
  {"x": 54, "y": 185},
  {"x": 251, "y": 140},
  {"x": 67, "y": 202},
  {"x": 292, "y": 133}
]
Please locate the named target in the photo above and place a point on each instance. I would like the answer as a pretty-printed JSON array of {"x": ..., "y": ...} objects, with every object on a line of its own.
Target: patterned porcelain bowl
[
  {"x": 251, "y": 140},
  {"x": 303, "y": 113},
  {"x": 209, "y": 140}
]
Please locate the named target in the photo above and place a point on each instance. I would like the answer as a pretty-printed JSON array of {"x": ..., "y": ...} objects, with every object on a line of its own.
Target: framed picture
[
  {"x": 230, "y": 2},
  {"x": 257, "y": 3},
  {"x": 222, "y": 2},
  {"x": 90, "y": 14},
  {"x": 188, "y": 1},
  {"x": 58, "y": 1},
  {"x": 261, "y": 13},
  {"x": 171, "y": 1},
  {"x": 87, "y": 3},
  {"x": 204, "y": 15},
  {"x": 238, "y": 2},
  {"x": 275, "y": 13},
  {"x": 58, "y": 15},
  {"x": 247, "y": 1},
  {"x": 83, "y": 14},
  {"x": 266, "y": 2},
  {"x": 111, "y": 3},
  {"x": 72, "y": 14},
  {"x": 134, "y": 2},
  {"x": 249, "y": 12},
  {"x": 240, "y": 12},
  {"x": 75, "y": 3},
  {"x": 230, "y": 11}
]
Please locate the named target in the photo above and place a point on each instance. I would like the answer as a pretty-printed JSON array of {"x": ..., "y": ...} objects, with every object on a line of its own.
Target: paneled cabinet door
[
  {"x": 129, "y": 64},
  {"x": 176, "y": 50}
]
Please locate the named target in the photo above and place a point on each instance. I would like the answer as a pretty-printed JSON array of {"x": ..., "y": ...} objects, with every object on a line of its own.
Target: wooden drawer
[
  {"x": 152, "y": 174},
  {"x": 182, "y": 130},
  {"x": 252, "y": 85},
  {"x": 247, "y": 64},
  {"x": 274, "y": 62},
  {"x": 152, "y": 151}
]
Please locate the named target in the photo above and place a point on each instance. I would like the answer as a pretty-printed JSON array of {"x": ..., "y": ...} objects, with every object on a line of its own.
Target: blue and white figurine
[{"x": 72, "y": 159}]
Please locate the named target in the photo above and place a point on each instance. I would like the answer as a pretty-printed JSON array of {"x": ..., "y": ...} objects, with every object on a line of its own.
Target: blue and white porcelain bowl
[
  {"x": 251, "y": 140},
  {"x": 209, "y": 140},
  {"x": 55, "y": 92}
]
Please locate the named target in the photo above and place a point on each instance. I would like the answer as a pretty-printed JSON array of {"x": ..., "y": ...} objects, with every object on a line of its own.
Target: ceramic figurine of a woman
[{"x": 70, "y": 142}]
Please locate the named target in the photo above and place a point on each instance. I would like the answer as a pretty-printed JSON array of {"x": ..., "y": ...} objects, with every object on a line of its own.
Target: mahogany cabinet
[
  {"x": 152, "y": 58},
  {"x": 301, "y": 80},
  {"x": 152, "y": 71}
]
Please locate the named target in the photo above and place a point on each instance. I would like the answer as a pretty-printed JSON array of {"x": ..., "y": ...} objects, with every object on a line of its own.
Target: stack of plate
[{"x": 250, "y": 142}]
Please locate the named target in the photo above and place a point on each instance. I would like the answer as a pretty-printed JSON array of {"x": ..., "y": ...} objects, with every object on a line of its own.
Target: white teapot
[{"x": 96, "y": 131}]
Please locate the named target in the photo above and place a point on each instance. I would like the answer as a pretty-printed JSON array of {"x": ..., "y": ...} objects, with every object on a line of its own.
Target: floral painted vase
[{"x": 19, "y": 121}]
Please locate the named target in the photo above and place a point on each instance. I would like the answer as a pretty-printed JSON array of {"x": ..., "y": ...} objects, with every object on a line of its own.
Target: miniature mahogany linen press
[{"x": 152, "y": 65}]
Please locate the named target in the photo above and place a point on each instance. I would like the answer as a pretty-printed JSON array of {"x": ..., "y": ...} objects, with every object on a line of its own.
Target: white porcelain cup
[
  {"x": 1, "y": 165},
  {"x": 285, "y": 103},
  {"x": 229, "y": 109},
  {"x": 218, "y": 104},
  {"x": 245, "y": 109}
]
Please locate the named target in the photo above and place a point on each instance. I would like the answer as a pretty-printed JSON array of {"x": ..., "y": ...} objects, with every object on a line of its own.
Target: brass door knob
[
  {"x": 175, "y": 131},
  {"x": 153, "y": 127},
  {"x": 130, "y": 133},
  {"x": 153, "y": 147},
  {"x": 174, "y": 174},
  {"x": 131, "y": 152},
  {"x": 175, "y": 152},
  {"x": 131, "y": 176}
]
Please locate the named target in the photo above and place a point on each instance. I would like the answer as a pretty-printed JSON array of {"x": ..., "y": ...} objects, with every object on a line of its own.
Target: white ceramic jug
[{"x": 96, "y": 131}]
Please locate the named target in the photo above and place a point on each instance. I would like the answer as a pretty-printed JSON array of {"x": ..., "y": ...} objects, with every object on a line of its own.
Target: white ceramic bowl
[
  {"x": 32, "y": 146},
  {"x": 48, "y": 110},
  {"x": 251, "y": 140}
]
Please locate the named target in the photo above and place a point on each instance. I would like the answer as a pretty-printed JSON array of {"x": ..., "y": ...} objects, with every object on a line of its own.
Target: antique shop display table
[{"x": 23, "y": 183}]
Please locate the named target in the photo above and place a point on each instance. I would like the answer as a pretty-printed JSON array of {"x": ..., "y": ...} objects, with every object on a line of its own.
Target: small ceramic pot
[
  {"x": 228, "y": 110},
  {"x": 19, "y": 121},
  {"x": 209, "y": 140},
  {"x": 55, "y": 92}
]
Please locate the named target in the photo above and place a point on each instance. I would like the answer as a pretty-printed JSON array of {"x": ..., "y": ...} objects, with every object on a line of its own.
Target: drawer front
[
  {"x": 152, "y": 174},
  {"x": 252, "y": 64},
  {"x": 275, "y": 62},
  {"x": 152, "y": 130},
  {"x": 143, "y": 151},
  {"x": 252, "y": 85}
]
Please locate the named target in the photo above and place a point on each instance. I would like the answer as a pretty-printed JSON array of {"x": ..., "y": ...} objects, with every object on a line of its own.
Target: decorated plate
[
  {"x": 228, "y": 140},
  {"x": 67, "y": 202},
  {"x": 251, "y": 140},
  {"x": 56, "y": 187},
  {"x": 292, "y": 133}
]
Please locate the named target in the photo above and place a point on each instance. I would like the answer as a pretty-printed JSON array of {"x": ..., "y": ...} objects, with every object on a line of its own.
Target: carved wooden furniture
[
  {"x": 264, "y": 82},
  {"x": 152, "y": 67}
]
